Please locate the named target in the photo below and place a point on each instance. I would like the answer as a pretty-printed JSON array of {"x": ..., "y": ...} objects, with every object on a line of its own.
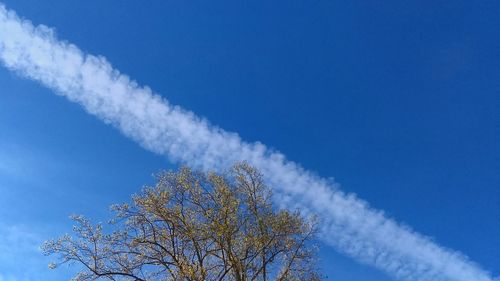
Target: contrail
[{"x": 349, "y": 224}]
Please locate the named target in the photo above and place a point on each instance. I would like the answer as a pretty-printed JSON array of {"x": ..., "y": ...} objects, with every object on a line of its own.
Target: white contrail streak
[{"x": 349, "y": 223}]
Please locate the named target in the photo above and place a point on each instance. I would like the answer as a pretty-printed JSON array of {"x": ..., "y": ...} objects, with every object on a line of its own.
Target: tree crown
[{"x": 194, "y": 226}]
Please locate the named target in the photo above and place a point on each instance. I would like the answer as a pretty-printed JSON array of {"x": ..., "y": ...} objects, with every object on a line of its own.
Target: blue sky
[{"x": 398, "y": 101}]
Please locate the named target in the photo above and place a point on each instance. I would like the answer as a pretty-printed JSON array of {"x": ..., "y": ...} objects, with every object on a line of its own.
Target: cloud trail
[{"x": 348, "y": 223}]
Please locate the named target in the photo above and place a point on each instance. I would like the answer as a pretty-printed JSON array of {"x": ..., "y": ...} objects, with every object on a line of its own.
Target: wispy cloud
[
  {"x": 349, "y": 223},
  {"x": 19, "y": 162},
  {"x": 21, "y": 258},
  {"x": 20, "y": 255},
  {"x": 27, "y": 165}
]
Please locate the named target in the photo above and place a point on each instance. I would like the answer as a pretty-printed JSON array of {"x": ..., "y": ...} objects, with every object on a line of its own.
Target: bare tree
[{"x": 194, "y": 226}]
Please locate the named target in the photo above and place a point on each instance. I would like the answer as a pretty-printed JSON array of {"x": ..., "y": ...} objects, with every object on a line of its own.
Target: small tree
[{"x": 194, "y": 226}]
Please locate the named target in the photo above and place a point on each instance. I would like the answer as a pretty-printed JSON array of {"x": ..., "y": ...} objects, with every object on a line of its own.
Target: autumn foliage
[{"x": 194, "y": 226}]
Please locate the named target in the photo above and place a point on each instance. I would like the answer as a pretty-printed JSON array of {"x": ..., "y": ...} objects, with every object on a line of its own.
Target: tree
[{"x": 194, "y": 226}]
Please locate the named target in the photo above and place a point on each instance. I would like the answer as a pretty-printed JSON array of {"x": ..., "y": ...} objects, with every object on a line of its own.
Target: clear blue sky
[{"x": 397, "y": 100}]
